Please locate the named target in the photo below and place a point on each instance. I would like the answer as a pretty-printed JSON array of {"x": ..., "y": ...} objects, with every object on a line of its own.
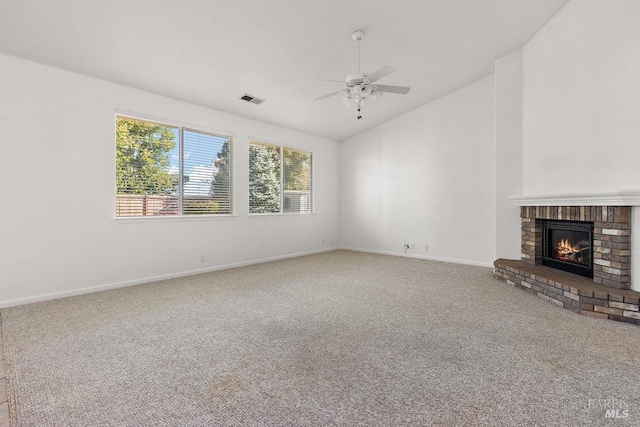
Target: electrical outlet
[
  {"x": 202, "y": 258},
  {"x": 426, "y": 247},
  {"x": 413, "y": 246},
  {"x": 406, "y": 246}
]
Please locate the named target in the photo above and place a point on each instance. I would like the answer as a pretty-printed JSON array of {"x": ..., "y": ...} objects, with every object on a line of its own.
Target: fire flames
[{"x": 566, "y": 251}]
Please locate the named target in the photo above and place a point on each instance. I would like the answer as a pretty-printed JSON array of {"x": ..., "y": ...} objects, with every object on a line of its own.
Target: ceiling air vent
[{"x": 252, "y": 99}]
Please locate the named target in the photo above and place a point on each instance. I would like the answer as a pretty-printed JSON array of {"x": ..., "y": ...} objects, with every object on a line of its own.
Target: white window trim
[
  {"x": 195, "y": 128},
  {"x": 281, "y": 147}
]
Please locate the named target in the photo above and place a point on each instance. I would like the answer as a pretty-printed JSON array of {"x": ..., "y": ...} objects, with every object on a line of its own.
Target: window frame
[
  {"x": 181, "y": 127},
  {"x": 281, "y": 148}
]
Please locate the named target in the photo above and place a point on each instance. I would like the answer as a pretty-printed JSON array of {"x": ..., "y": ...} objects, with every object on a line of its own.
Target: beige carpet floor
[{"x": 340, "y": 338}]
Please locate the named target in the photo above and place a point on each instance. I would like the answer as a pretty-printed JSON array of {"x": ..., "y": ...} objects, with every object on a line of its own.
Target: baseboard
[
  {"x": 126, "y": 283},
  {"x": 430, "y": 258}
]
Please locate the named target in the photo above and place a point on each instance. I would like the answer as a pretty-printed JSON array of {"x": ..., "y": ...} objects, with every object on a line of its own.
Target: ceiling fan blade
[
  {"x": 329, "y": 95},
  {"x": 333, "y": 81},
  {"x": 403, "y": 90},
  {"x": 382, "y": 72}
]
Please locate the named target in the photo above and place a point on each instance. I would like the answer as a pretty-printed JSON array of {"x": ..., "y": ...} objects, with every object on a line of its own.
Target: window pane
[
  {"x": 264, "y": 179},
  {"x": 206, "y": 181},
  {"x": 297, "y": 181},
  {"x": 146, "y": 181}
]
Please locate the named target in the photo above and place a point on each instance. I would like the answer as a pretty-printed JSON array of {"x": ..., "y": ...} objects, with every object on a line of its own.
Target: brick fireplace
[
  {"x": 611, "y": 238},
  {"x": 608, "y": 294}
]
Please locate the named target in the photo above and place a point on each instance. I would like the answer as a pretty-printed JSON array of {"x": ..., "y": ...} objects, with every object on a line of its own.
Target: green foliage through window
[
  {"x": 279, "y": 179},
  {"x": 142, "y": 157},
  {"x": 168, "y": 170},
  {"x": 264, "y": 179}
]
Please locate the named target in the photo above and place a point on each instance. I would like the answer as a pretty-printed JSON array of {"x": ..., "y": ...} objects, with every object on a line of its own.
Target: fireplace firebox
[{"x": 567, "y": 245}]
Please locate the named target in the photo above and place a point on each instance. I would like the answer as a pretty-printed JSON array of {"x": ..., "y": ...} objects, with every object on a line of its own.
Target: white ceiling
[{"x": 211, "y": 52}]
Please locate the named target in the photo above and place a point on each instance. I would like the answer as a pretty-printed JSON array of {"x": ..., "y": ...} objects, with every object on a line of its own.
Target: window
[
  {"x": 170, "y": 170},
  {"x": 279, "y": 179}
]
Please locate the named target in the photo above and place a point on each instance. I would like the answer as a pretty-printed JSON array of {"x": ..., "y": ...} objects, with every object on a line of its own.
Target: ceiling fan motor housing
[{"x": 357, "y": 79}]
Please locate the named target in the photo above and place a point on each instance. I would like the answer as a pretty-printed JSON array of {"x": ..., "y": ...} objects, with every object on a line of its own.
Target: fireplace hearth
[{"x": 568, "y": 245}]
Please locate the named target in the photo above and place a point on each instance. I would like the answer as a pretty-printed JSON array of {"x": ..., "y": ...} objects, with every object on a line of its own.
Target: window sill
[
  {"x": 173, "y": 218},
  {"x": 280, "y": 215}
]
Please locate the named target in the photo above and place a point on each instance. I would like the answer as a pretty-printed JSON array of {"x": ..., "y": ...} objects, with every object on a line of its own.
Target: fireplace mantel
[{"x": 614, "y": 198}]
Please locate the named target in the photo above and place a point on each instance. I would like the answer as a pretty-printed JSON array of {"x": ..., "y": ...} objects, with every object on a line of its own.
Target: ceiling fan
[{"x": 361, "y": 87}]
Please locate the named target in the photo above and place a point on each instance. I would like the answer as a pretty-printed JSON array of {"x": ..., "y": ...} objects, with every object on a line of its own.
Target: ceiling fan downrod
[{"x": 357, "y": 36}]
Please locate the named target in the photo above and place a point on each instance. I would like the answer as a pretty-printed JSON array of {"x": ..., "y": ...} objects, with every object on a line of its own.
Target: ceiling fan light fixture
[
  {"x": 365, "y": 91},
  {"x": 346, "y": 97},
  {"x": 365, "y": 102},
  {"x": 359, "y": 86},
  {"x": 369, "y": 96}
]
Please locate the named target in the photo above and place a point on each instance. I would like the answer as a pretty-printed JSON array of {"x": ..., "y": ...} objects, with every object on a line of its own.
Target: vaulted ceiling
[{"x": 211, "y": 52}]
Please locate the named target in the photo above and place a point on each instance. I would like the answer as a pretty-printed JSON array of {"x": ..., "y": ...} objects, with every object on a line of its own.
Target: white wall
[
  {"x": 581, "y": 107},
  {"x": 426, "y": 177},
  {"x": 508, "y": 81},
  {"x": 59, "y": 235},
  {"x": 581, "y": 126}
]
